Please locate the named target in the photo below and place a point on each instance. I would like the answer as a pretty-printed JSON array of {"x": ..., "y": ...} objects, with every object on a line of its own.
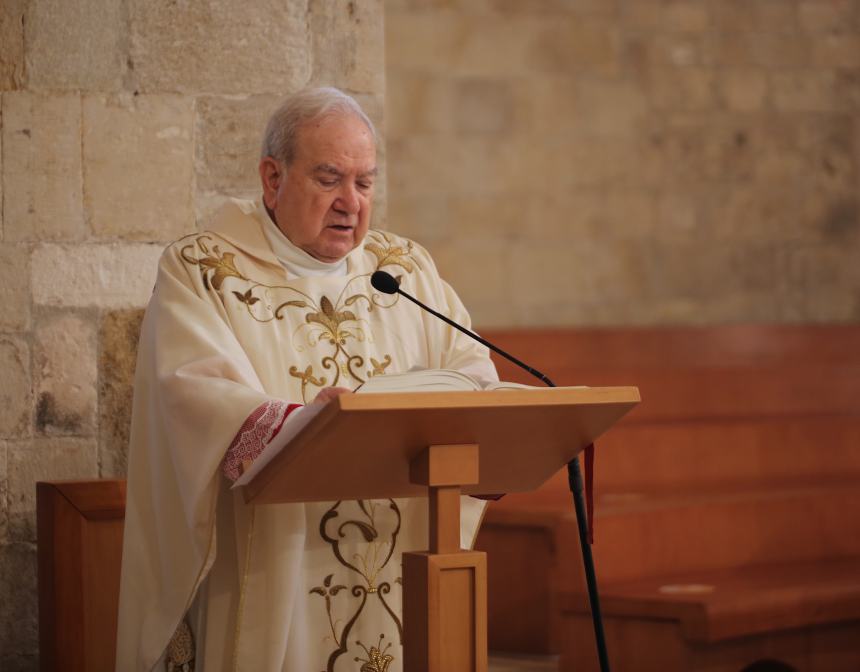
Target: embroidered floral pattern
[
  {"x": 377, "y": 659},
  {"x": 329, "y": 321},
  {"x": 366, "y": 566},
  {"x": 256, "y": 433}
]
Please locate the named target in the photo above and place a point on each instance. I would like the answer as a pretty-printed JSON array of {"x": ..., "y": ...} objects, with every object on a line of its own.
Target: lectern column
[{"x": 445, "y": 588}]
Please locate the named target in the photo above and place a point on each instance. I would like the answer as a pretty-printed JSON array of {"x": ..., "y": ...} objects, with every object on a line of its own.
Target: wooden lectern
[{"x": 450, "y": 443}]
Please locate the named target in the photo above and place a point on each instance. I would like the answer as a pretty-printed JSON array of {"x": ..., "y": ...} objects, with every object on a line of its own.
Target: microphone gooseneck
[{"x": 387, "y": 284}]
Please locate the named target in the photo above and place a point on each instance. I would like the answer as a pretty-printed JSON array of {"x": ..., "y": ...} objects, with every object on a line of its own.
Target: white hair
[{"x": 279, "y": 140}]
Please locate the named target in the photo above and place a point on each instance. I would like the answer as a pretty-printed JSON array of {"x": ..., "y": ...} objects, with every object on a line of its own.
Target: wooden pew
[
  {"x": 727, "y": 526},
  {"x": 80, "y": 549}
]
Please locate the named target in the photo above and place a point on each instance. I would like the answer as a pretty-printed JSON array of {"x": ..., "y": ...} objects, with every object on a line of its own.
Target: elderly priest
[{"x": 269, "y": 310}]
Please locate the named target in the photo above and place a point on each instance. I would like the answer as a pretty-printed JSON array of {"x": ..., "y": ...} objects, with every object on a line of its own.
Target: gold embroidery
[
  {"x": 180, "y": 650},
  {"x": 377, "y": 659},
  {"x": 387, "y": 253},
  {"x": 379, "y": 367},
  {"x": 367, "y": 565},
  {"x": 215, "y": 266},
  {"x": 333, "y": 323},
  {"x": 307, "y": 377}
]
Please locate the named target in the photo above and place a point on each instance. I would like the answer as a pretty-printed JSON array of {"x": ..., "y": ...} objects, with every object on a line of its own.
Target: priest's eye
[
  {"x": 364, "y": 186},
  {"x": 328, "y": 183}
]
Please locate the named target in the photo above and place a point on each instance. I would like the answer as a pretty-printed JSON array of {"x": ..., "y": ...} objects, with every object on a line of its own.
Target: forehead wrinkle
[
  {"x": 327, "y": 168},
  {"x": 333, "y": 170}
]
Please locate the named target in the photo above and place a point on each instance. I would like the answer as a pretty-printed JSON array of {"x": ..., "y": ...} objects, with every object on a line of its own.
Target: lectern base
[{"x": 445, "y": 612}]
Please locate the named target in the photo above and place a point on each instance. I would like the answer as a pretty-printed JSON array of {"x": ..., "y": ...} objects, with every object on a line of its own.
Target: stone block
[
  {"x": 826, "y": 16},
  {"x": 119, "y": 333},
  {"x": 472, "y": 164},
  {"x": 348, "y": 44},
  {"x": 642, "y": 50},
  {"x": 822, "y": 283},
  {"x": 807, "y": 90},
  {"x": 666, "y": 15},
  {"x": 423, "y": 218},
  {"x": 775, "y": 16},
  {"x": 609, "y": 107},
  {"x": 42, "y": 167},
  {"x": 19, "y": 627},
  {"x": 702, "y": 147},
  {"x": 832, "y": 217},
  {"x": 417, "y": 102},
  {"x": 219, "y": 46},
  {"x": 756, "y": 213},
  {"x": 138, "y": 165},
  {"x": 836, "y": 51},
  {"x": 562, "y": 44},
  {"x": 678, "y": 213},
  {"x": 770, "y": 50},
  {"x": 15, "y": 387},
  {"x": 106, "y": 276},
  {"x": 743, "y": 89},
  {"x": 12, "y": 44},
  {"x": 43, "y": 459},
  {"x": 228, "y": 135},
  {"x": 14, "y": 287},
  {"x": 65, "y": 374},
  {"x": 609, "y": 215},
  {"x": 76, "y": 45},
  {"x": 481, "y": 105},
  {"x": 678, "y": 89},
  {"x": 425, "y": 42},
  {"x": 478, "y": 270}
]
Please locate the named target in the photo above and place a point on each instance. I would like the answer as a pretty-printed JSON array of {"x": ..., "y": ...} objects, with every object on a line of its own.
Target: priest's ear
[{"x": 272, "y": 175}]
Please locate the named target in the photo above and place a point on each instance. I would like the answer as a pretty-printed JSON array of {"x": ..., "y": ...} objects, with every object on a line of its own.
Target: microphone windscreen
[{"x": 384, "y": 282}]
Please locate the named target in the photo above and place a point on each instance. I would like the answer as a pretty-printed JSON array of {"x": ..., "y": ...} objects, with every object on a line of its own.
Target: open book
[{"x": 433, "y": 380}]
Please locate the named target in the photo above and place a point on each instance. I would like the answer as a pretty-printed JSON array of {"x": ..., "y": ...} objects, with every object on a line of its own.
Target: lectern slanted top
[{"x": 361, "y": 445}]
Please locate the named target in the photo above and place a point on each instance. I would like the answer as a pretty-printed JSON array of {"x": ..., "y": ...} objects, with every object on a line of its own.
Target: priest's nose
[{"x": 348, "y": 200}]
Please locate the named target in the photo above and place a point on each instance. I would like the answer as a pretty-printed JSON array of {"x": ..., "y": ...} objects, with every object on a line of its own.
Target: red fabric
[
  {"x": 258, "y": 430},
  {"x": 589, "y": 490}
]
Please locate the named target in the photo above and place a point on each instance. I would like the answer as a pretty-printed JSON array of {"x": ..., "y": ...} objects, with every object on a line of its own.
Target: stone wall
[
  {"x": 122, "y": 125},
  {"x": 590, "y": 162}
]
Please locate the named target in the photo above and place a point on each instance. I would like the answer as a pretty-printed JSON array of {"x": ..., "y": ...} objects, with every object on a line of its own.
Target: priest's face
[{"x": 322, "y": 200}]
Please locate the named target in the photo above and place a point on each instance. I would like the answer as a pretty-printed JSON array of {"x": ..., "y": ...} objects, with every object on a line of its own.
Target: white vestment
[{"x": 230, "y": 336}]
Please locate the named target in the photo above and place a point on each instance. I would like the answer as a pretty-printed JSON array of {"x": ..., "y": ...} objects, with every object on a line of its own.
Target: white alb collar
[{"x": 294, "y": 259}]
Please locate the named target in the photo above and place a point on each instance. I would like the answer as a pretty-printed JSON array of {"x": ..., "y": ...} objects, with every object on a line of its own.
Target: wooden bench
[{"x": 727, "y": 505}]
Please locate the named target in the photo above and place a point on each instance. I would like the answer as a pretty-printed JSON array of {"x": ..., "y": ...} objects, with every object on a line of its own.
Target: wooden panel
[
  {"x": 457, "y": 629},
  {"x": 80, "y": 546},
  {"x": 444, "y": 612}
]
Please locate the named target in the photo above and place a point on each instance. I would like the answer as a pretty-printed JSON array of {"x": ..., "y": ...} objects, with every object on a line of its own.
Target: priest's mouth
[{"x": 341, "y": 227}]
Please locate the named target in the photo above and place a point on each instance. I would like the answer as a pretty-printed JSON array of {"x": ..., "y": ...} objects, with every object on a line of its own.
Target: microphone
[{"x": 387, "y": 284}]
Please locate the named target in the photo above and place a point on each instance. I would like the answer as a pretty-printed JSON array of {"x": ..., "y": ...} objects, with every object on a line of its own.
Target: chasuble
[{"x": 231, "y": 341}]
